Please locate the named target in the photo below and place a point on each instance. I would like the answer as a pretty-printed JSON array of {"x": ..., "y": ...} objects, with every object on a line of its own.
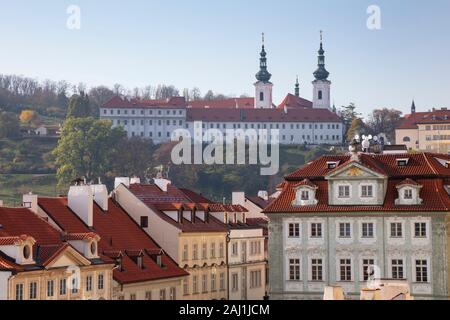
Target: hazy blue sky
[{"x": 215, "y": 45}]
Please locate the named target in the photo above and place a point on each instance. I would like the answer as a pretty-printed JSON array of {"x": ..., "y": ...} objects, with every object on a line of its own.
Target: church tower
[
  {"x": 321, "y": 84},
  {"x": 413, "y": 107},
  {"x": 263, "y": 88},
  {"x": 297, "y": 88}
]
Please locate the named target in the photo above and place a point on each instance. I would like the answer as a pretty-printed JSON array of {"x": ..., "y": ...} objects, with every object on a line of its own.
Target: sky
[{"x": 215, "y": 45}]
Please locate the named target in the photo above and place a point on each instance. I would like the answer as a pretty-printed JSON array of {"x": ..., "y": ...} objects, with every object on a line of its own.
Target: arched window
[
  {"x": 320, "y": 95},
  {"x": 406, "y": 139},
  {"x": 261, "y": 96}
]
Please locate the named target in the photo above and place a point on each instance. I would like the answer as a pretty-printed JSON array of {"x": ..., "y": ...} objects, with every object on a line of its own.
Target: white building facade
[
  {"x": 297, "y": 120},
  {"x": 348, "y": 220}
]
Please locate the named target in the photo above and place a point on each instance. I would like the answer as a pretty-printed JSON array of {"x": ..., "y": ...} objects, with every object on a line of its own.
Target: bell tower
[
  {"x": 263, "y": 87},
  {"x": 321, "y": 84}
]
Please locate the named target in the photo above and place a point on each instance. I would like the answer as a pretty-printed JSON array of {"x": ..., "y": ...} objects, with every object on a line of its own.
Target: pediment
[
  {"x": 354, "y": 170},
  {"x": 68, "y": 257}
]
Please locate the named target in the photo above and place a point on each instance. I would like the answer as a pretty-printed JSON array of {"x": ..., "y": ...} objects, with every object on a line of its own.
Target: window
[
  {"x": 345, "y": 269},
  {"x": 222, "y": 281},
  {"x": 221, "y": 250},
  {"x": 213, "y": 282},
  {"x": 234, "y": 249},
  {"x": 261, "y": 96},
  {"x": 320, "y": 95},
  {"x": 100, "y": 282},
  {"x": 367, "y": 191},
  {"x": 316, "y": 270},
  {"x": 368, "y": 270},
  {"x": 173, "y": 293},
  {"x": 204, "y": 250},
  {"x": 367, "y": 229},
  {"x": 62, "y": 287},
  {"x": 344, "y": 192},
  {"x": 294, "y": 230},
  {"x": 148, "y": 295},
  {"x": 255, "y": 279},
  {"x": 213, "y": 250},
  {"x": 294, "y": 269},
  {"x": 75, "y": 285},
  {"x": 344, "y": 230},
  {"x": 185, "y": 287},
  {"x": 195, "y": 252},
  {"x": 132, "y": 296},
  {"x": 396, "y": 230},
  {"x": 185, "y": 252},
  {"x": 50, "y": 287},
  {"x": 162, "y": 294},
  {"x": 406, "y": 139},
  {"x": 19, "y": 291},
  {"x": 33, "y": 291},
  {"x": 89, "y": 283},
  {"x": 316, "y": 230},
  {"x": 407, "y": 194},
  {"x": 255, "y": 247},
  {"x": 397, "y": 269},
  {"x": 234, "y": 282},
  {"x": 205, "y": 283},
  {"x": 304, "y": 195},
  {"x": 194, "y": 284},
  {"x": 421, "y": 271},
  {"x": 420, "y": 230}
]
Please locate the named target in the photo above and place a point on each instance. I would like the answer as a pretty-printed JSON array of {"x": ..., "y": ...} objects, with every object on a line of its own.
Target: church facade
[{"x": 298, "y": 120}]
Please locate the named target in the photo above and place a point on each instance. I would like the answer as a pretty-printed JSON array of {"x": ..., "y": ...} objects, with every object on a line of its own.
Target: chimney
[
  {"x": 30, "y": 201},
  {"x": 80, "y": 200},
  {"x": 162, "y": 183},
  {"x": 100, "y": 194},
  {"x": 121, "y": 180},
  {"x": 135, "y": 180}
]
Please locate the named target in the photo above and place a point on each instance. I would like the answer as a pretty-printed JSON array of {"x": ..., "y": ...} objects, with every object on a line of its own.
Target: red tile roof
[
  {"x": 260, "y": 202},
  {"x": 262, "y": 115},
  {"x": 18, "y": 224},
  {"x": 410, "y": 121},
  {"x": 120, "y": 235},
  {"x": 423, "y": 169},
  {"x": 118, "y": 102},
  {"x": 292, "y": 101},
  {"x": 231, "y": 103}
]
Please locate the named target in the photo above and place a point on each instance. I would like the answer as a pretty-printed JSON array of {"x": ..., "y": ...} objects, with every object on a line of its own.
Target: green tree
[
  {"x": 87, "y": 148},
  {"x": 384, "y": 121},
  {"x": 357, "y": 127},
  {"x": 9, "y": 125},
  {"x": 348, "y": 114},
  {"x": 135, "y": 157},
  {"x": 79, "y": 106}
]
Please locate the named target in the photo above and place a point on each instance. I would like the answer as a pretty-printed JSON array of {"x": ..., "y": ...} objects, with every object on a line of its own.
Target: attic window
[
  {"x": 402, "y": 162},
  {"x": 332, "y": 164}
]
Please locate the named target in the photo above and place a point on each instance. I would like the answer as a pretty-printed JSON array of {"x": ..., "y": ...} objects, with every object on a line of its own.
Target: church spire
[
  {"x": 413, "y": 107},
  {"x": 263, "y": 75},
  {"x": 297, "y": 88},
  {"x": 321, "y": 73}
]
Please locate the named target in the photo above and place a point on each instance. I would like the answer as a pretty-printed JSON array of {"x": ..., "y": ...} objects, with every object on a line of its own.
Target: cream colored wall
[
  {"x": 165, "y": 234},
  {"x": 204, "y": 266},
  {"x": 413, "y": 134},
  {"x": 141, "y": 288},
  {"x": 244, "y": 276},
  {"x": 42, "y": 276},
  {"x": 439, "y": 146}
]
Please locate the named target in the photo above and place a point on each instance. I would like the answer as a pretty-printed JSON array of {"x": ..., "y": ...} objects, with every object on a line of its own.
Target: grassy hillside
[{"x": 13, "y": 186}]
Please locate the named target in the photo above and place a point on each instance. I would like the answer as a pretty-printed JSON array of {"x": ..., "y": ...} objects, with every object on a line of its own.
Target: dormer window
[
  {"x": 140, "y": 262},
  {"x": 94, "y": 248},
  {"x": 305, "y": 194},
  {"x": 403, "y": 162},
  {"x": 367, "y": 191},
  {"x": 26, "y": 252},
  {"x": 408, "y": 193},
  {"x": 332, "y": 164}
]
